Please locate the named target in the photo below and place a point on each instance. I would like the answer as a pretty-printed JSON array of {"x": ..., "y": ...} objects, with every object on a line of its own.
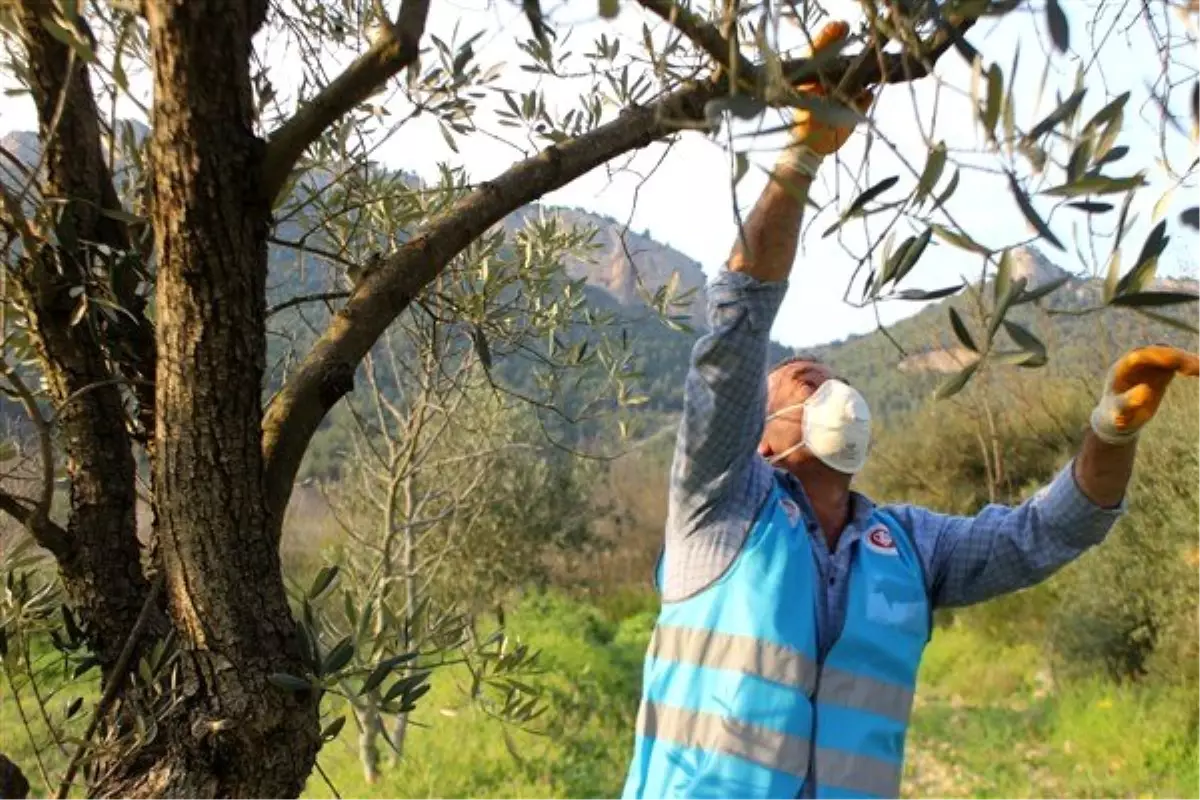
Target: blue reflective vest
[{"x": 735, "y": 699}]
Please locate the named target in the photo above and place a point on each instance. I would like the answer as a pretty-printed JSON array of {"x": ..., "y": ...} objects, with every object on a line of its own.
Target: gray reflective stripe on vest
[
  {"x": 865, "y": 694},
  {"x": 716, "y": 734},
  {"x": 857, "y": 773},
  {"x": 736, "y": 653}
]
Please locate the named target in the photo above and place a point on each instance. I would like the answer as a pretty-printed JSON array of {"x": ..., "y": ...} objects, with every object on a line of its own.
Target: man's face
[{"x": 788, "y": 386}]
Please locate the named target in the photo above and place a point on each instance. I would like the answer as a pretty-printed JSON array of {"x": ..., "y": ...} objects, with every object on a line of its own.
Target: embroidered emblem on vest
[
  {"x": 791, "y": 509},
  {"x": 880, "y": 541}
]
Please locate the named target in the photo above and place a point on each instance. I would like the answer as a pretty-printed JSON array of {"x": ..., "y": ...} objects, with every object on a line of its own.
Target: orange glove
[
  {"x": 1134, "y": 388},
  {"x": 813, "y": 139}
]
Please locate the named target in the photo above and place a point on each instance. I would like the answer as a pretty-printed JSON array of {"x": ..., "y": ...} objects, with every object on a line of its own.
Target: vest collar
[{"x": 861, "y": 510}]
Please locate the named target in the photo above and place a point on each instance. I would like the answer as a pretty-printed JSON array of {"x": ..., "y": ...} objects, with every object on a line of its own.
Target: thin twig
[
  {"x": 119, "y": 673},
  {"x": 325, "y": 778},
  {"x": 37, "y": 751},
  {"x": 320, "y": 297}
]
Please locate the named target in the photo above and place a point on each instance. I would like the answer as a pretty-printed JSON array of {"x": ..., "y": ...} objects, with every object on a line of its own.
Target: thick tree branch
[
  {"x": 45, "y": 532},
  {"x": 396, "y": 46},
  {"x": 100, "y": 572},
  {"x": 327, "y": 372},
  {"x": 851, "y": 73},
  {"x": 78, "y": 174}
]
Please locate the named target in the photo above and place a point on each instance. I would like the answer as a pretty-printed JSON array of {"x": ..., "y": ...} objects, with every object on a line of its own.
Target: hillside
[
  {"x": 1081, "y": 343},
  {"x": 895, "y": 380},
  {"x": 622, "y": 260}
]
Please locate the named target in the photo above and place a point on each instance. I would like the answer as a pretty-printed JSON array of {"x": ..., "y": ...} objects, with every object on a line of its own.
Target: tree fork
[{"x": 387, "y": 291}]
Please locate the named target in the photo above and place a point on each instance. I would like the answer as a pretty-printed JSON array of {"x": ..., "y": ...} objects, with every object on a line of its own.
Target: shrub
[{"x": 1129, "y": 606}]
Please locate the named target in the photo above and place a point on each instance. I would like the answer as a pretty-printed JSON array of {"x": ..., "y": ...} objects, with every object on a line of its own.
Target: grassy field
[{"x": 990, "y": 722}]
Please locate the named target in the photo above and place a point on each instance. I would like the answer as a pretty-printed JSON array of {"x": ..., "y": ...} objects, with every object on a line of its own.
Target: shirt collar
[{"x": 861, "y": 506}]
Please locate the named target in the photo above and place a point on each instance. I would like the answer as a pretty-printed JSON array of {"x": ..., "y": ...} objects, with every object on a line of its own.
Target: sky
[{"x": 685, "y": 199}]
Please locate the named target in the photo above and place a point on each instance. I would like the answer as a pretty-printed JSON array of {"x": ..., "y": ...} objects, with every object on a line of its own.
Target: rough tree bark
[{"x": 236, "y": 734}]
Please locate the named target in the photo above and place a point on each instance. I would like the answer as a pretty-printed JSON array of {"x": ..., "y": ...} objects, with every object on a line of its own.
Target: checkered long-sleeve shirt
[{"x": 719, "y": 482}]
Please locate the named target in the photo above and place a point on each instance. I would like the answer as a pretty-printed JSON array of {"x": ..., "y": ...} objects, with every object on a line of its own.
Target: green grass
[
  {"x": 990, "y": 721},
  {"x": 31, "y": 746},
  {"x": 592, "y": 667}
]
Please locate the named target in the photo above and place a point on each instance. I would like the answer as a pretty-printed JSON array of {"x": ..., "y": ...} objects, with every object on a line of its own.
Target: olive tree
[
  {"x": 449, "y": 495},
  {"x": 136, "y": 288}
]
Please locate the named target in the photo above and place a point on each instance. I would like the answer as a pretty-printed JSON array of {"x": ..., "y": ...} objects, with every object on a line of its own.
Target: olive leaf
[
  {"x": 1147, "y": 261},
  {"x": 1097, "y": 184},
  {"x": 926, "y": 294},
  {"x": 1060, "y": 29},
  {"x": 935, "y": 164},
  {"x": 960, "y": 330},
  {"x": 1190, "y": 217},
  {"x": 955, "y": 383},
  {"x": 1023, "y": 338},
  {"x": 1030, "y": 213},
  {"x": 1152, "y": 299}
]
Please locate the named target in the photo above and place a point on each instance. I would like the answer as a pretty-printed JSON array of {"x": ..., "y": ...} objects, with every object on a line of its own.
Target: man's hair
[{"x": 792, "y": 359}]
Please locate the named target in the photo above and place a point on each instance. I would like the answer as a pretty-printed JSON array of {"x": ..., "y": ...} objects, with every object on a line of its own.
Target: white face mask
[{"x": 836, "y": 427}]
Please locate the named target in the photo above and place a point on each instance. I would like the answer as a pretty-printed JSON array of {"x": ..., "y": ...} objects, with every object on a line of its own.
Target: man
[{"x": 794, "y": 611}]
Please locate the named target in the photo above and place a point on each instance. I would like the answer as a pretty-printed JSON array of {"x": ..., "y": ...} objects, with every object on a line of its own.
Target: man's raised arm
[
  {"x": 715, "y": 478},
  {"x": 724, "y": 397}
]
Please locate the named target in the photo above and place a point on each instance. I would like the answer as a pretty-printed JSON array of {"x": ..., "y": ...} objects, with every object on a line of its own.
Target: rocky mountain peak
[{"x": 1032, "y": 264}]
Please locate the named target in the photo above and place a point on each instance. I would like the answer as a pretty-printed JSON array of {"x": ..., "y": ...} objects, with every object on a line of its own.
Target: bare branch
[
  {"x": 704, "y": 35},
  {"x": 320, "y": 297},
  {"x": 38, "y": 522},
  {"x": 397, "y": 46},
  {"x": 304, "y": 247}
]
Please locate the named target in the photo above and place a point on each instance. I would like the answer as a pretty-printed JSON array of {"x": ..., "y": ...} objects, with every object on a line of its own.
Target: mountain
[
  {"x": 624, "y": 267},
  {"x": 897, "y": 372}
]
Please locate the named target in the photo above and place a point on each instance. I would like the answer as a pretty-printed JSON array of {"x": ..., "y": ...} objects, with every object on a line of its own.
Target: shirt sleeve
[
  {"x": 1003, "y": 549},
  {"x": 718, "y": 480}
]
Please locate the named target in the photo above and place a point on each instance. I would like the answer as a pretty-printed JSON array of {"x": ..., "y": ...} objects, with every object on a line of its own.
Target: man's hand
[
  {"x": 1134, "y": 388},
  {"x": 812, "y": 138}
]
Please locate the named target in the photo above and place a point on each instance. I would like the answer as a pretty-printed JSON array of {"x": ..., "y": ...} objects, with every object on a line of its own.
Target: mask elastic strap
[
  {"x": 785, "y": 409},
  {"x": 775, "y": 458}
]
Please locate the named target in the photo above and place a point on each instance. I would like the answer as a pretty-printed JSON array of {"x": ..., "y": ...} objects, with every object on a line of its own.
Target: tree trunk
[
  {"x": 370, "y": 728},
  {"x": 100, "y": 559},
  {"x": 235, "y": 734},
  {"x": 408, "y": 563}
]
